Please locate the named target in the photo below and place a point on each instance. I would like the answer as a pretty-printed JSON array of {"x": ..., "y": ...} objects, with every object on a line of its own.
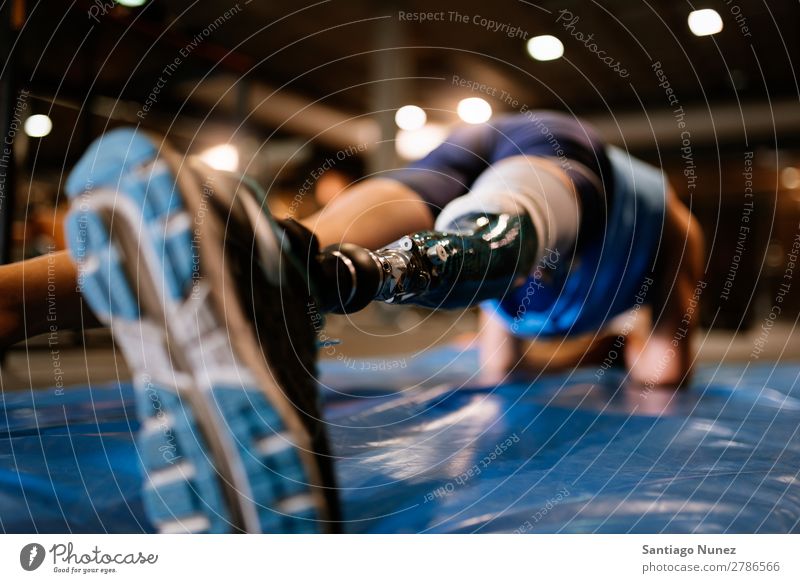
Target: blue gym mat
[{"x": 422, "y": 448}]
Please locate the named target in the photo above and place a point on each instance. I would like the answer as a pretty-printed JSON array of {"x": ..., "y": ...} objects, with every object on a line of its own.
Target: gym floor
[{"x": 364, "y": 335}]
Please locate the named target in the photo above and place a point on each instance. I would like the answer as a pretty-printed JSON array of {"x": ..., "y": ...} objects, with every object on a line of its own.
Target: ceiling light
[
  {"x": 414, "y": 144},
  {"x": 545, "y": 48},
  {"x": 790, "y": 177},
  {"x": 222, "y": 157},
  {"x": 410, "y": 117},
  {"x": 38, "y": 126},
  {"x": 705, "y": 22},
  {"x": 474, "y": 110}
]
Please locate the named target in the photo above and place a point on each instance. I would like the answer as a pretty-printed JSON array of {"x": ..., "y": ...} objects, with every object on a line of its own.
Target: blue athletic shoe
[{"x": 211, "y": 311}]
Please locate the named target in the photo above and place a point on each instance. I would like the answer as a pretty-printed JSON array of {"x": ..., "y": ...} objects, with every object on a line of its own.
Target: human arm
[{"x": 661, "y": 353}]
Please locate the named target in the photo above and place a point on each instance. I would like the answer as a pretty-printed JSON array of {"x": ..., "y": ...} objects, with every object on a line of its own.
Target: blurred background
[{"x": 308, "y": 97}]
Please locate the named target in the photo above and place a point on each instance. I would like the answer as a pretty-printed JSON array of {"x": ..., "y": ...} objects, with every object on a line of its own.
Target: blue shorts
[
  {"x": 622, "y": 214},
  {"x": 450, "y": 170},
  {"x": 605, "y": 278}
]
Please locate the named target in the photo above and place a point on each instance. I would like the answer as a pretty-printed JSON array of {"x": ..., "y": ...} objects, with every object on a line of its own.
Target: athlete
[{"x": 565, "y": 241}]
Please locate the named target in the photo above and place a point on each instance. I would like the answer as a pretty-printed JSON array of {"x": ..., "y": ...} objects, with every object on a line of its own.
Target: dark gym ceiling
[{"x": 326, "y": 52}]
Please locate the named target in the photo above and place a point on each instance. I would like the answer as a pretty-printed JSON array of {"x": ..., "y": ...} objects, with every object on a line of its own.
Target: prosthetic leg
[
  {"x": 485, "y": 244},
  {"x": 484, "y": 257}
]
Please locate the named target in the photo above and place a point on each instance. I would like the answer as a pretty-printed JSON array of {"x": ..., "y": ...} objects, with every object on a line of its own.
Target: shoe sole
[{"x": 221, "y": 446}]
